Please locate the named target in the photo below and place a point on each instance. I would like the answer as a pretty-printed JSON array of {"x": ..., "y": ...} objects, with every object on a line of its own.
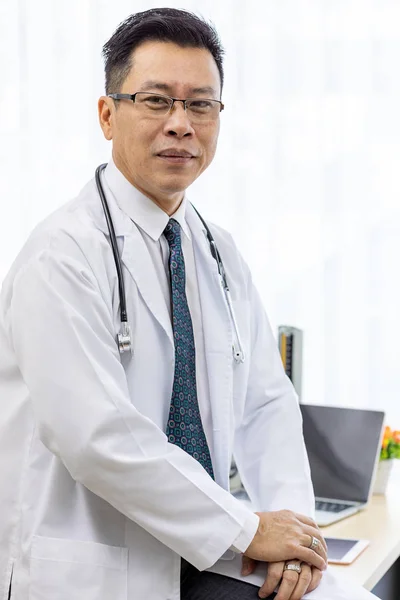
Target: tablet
[{"x": 343, "y": 551}]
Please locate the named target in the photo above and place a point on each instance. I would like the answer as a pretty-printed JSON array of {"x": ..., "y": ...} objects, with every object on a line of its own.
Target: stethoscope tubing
[{"x": 114, "y": 246}]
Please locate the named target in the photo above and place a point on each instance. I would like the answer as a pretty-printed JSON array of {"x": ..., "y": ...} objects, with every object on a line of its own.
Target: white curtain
[{"x": 306, "y": 176}]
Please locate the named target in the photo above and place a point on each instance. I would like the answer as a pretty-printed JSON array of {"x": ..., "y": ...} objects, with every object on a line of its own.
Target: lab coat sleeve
[
  {"x": 269, "y": 448},
  {"x": 62, "y": 332}
]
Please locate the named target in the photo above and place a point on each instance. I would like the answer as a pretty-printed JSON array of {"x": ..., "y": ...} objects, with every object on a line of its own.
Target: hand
[
  {"x": 284, "y": 535},
  {"x": 293, "y": 586}
]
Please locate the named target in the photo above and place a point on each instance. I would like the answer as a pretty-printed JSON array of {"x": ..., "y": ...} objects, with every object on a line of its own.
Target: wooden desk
[{"x": 379, "y": 523}]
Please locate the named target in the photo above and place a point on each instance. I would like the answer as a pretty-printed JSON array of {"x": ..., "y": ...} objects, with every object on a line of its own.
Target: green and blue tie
[{"x": 184, "y": 427}]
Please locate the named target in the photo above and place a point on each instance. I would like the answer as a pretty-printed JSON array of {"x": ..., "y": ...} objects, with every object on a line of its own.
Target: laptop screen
[{"x": 342, "y": 446}]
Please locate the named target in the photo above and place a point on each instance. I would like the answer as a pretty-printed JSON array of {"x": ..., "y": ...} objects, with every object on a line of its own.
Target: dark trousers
[{"x": 201, "y": 585}]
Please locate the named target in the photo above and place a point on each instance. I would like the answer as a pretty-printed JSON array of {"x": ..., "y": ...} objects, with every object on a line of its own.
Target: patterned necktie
[{"x": 184, "y": 427}]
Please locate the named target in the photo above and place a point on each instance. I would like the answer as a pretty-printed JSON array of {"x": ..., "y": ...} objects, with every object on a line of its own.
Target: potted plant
[{"x": 390, "y": 450}]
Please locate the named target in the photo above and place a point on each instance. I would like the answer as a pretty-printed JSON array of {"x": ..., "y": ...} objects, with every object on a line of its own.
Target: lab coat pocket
[{"x": 75, "y": 570}]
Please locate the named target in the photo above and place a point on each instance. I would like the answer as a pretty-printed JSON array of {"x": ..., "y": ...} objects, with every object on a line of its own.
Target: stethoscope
[{"x": 124, "y": 337}]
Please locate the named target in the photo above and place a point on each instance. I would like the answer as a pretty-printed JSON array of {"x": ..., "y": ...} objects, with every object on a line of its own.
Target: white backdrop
[{"x": 306, "y": 175}]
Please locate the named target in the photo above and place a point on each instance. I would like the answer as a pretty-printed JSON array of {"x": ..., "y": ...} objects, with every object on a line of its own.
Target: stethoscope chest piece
[{"x": 125, "y": 339}]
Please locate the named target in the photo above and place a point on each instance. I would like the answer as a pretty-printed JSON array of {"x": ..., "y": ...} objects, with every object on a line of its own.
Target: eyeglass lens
[{"x": 198, "y": 109}]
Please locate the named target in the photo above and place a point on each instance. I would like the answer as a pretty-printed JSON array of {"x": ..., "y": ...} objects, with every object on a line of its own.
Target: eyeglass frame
[{"x": 183, "y": 100}]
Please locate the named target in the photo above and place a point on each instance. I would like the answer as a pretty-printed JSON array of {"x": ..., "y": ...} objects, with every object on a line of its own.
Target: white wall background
[{"x": 307, "y": 175}]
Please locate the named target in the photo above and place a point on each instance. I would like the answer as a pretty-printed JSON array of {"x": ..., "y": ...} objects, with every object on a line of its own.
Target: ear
[{"x": 106, "y": 110}]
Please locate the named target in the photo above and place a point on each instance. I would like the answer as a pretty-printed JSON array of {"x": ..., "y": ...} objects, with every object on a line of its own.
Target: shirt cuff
[{"x": 245, "y": 537}]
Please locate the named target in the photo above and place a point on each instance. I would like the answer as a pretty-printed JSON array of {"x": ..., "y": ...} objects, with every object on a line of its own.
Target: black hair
[{"x": 162, "y": 24}]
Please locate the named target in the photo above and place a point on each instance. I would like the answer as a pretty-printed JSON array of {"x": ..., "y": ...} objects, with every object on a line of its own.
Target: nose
[{"x": 178, "y": 123}]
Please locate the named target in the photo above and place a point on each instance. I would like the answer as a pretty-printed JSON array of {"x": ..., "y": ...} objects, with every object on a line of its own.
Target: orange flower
[
  {"x": 396, "y": 437},
  {"x": 385, "y": 443},
  {"x": 388, "y": 432}
]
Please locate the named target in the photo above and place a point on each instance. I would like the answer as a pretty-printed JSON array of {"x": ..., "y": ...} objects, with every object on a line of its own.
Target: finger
[
  {"x": 274, "y": 575},
  {"x": 248, "y": 565},
  {"x": 320, "y": 549},
  {"x": 288, "y": 584},
  {"x": 309, "y": 556},
  {"x": 316, "y": 576},
  {"x": 311, "y": 523},
  {"x": 306, "y": 520},
  {"x": 303, "y": 582},
  {"x": 316, "y": 532},
  {"x": 306, "y": 539}
]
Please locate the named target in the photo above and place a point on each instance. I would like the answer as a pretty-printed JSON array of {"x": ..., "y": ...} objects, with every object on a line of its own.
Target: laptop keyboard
[{"x": 332, "y": 507}]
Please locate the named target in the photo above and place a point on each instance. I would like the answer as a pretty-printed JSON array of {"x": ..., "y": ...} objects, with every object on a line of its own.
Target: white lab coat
[{"x": 94, "y": 502}]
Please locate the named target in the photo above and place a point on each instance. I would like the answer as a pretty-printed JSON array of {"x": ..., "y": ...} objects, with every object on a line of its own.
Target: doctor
[{"x": 115, "y": 464}]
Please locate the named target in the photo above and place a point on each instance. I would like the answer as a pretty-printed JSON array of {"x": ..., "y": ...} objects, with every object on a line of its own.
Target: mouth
[{"x": 174, "y": 156}]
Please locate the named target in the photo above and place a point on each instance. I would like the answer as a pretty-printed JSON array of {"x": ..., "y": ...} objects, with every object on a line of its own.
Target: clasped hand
[{"x": 284, "y": 537}]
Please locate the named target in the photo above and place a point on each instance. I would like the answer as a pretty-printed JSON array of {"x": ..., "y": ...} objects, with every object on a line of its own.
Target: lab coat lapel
[
  {"x": 218, "y": 345},
  {"x": 137, "y": 260}
]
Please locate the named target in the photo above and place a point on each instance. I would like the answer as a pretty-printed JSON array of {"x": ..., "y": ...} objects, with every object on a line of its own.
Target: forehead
[{"x": 174, "y": 68}]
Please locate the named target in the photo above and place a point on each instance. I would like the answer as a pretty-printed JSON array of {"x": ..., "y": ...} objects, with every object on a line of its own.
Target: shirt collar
[{"x": 141, "y": 209}]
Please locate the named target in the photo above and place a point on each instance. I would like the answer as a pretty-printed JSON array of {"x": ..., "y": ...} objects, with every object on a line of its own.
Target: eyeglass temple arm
[{"x": 122, "y": 96}]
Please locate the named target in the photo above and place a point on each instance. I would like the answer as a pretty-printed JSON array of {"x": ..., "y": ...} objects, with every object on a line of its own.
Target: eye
[
  {"x": 155, "y": 102},
  {"x": 202, "y": 106}
]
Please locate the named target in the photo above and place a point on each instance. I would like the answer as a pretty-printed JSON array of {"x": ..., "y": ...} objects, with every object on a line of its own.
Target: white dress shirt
[{"x": 152, "y": 221}]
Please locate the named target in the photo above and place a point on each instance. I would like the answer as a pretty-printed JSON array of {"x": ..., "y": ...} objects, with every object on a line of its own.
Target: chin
[{"x": 177, "y": 186}]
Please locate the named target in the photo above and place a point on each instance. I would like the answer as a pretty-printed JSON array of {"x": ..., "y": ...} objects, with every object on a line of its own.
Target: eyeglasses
[{"x": 199, "y": 110}]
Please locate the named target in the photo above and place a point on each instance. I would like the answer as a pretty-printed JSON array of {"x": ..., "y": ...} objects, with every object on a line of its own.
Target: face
[{"x": 141, "y": 142}]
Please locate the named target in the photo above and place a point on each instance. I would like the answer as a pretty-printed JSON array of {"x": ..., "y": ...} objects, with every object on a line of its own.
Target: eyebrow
[{"x": 158, "y": 85}]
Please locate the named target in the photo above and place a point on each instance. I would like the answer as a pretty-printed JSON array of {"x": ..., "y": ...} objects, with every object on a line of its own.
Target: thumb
[{"x": 248, "y": 565}]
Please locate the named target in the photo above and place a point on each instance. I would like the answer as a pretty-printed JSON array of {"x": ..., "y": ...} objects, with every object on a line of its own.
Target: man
[{"x": 115, "y": 467}]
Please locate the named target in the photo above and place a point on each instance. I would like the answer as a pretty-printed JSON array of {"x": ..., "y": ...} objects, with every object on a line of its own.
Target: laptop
[{"x": 343, "y": 446}]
